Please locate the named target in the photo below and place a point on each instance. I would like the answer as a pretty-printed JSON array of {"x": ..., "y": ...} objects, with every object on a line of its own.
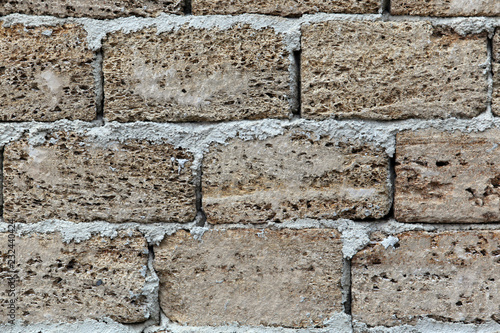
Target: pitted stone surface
[
  {"x": 495, "y": 104},
  {"x": 196, "y": 75},
  {"x": 391, "y": 70},
  {"x": 449, "y": 276},
  {"x": 72, "y": 179},
  {"x": 446, "y": 7},
  {"x": 284, "y": 8},
  {"x": 66, "y": 282},
  {"x": 447, "y": 177},
  {"x": 294, "y": 176},
  {"x": 92, "y": 8},
  {"x": 46, "y": 74},
  {"x": 251, "y": 277}
]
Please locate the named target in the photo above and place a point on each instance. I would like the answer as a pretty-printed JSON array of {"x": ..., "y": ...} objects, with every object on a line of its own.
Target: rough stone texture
[
  {"x": 196, "y": 75},
  {"x": 495, "y": 104},
  {"x": 294, "y": 176},
  {"x": 69, "y": 178},
  {"x": 284, "y": 8},
  {"x": 67, "y": 282},
  {"x": 448, "y": 276},
  {"x": 253, "y": 277},
  {"x": 391, "y": 70},
  {"x": 46, "y": 74},
  {"x": 447, "y": 177},
  {"x": 446, "y": 7},
  {"x": 102, "y": 9}
]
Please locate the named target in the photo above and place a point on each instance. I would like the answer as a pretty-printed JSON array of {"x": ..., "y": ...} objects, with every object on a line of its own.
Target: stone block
[
  {"x": 495, "y": 103},
  {"x": 445, "y": 8},
  {"x": 288, "y": 278},
  {"x": 294, "y": 176},
  {"x": 196, "y": 75},
  {"x": 68, "y": 177},
  {"x": 46, "y": 74},
  {"x": 391, "y": 70}
]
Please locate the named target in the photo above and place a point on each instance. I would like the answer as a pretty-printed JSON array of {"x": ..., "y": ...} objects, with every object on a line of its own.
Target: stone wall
[{"x": 250, "y": 166}]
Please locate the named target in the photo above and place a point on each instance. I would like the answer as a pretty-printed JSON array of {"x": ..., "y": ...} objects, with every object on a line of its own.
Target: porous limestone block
[
  {"x": 192, "y": 74},
  {"x": 495, "y": 107},
  {"x": 446, "y": 7},
  {"x": 92, "y": 8},
  {"x": 284, "y": 8},
  {"x": 292, "y": 176},
  {"x": 445, "y": 177},
  {"x": 46, "y": 74},
  {"x": 391, "y": 70},
  {"x": 71, "y": 178},
  {"x": 450, "y": 276},
  {"x": 288, "y": 278},
  {"x": 66, "y": 282}
]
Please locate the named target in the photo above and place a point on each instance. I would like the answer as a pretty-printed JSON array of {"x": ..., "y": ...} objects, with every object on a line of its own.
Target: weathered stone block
[
  {"x": 68, "y": 177},
  {"x": 445, "y": 7},
  {"x": 447, "y": 177},
  {"x": 252, "y": 277},
  {"x": 294, "y": 176},
  {"x": 448, "y": 276},
  {"x": 495, "y": 107},
  {"x": 66, "y": 282},
  {"x": 92, "y": 8},
  {"x": 46, "y": 74},
  {"x": 196, "y": 75},
  {"x": 283, "y": 8},
  {"x": 391, "y": 70}
]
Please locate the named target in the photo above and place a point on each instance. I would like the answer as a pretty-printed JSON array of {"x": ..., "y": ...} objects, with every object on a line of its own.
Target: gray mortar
[{"x": 87, "y": 326}]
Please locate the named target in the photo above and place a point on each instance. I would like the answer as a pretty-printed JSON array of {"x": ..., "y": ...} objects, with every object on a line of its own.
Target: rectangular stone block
[
  {"x": 495, "y": 103},
  {"x": 46, "y": 74},
  {"x": 294, "y": 176},
  {"x": 449, "y": 276},
  {"x": 196, "y": 75},
  {"x": 92, "y": 8},
  {"x": 283, "y": 8},
  {"x": 288, "y": 278},
  {"x": 447, "y": 177},
  {"x": 67, "y": 282},
  {"x": 445, "y": 8},
  {"x": 68, "y": 177},
  {"x": 391, "y": 70}
]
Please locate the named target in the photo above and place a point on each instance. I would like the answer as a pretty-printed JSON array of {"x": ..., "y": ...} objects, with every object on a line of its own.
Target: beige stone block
[
  {"x": 449, "y": 276},
  {"x": 46, "y": 74},
  {"x": 447, "y": 177},
  {"x": 252, "y": 277},
  {"x": 294, "y": 176},
  {"x": 67, "y": 282},
  {"x": 70, "y": 178},
  {"x": 445, "y": 7},
  {"x": 284, "y": 8},
  {"x": 391, "y": 70},
  {"x": 196, "y": 75},
  {"x": 495, "y": 103},
  {"x": 92, "y": 8}
]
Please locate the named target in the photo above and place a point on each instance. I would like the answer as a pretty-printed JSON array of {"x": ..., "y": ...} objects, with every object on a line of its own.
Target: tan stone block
[
  {"x": 196, "y": 75},
  {"x": 92, "y": 8},
  {"x": 495, "y": 107},
  {"x": 448, "y": 276},
  {"x": 446, "y": 7},
  {"x": 70, "y": 178},
  {"x": 66, "y": 282},
  {"x": 391, "y": 70},
  {"x": 284, "y": 8},
  {"x": 46, "y": 74},
  {"x": 447, "y": 177},
  {"x": 294, "y": 176},
  {"x": 252, "y": 277}
]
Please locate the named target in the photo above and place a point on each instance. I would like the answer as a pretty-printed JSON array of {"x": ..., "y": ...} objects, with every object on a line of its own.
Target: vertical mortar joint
[
  {"x": 346, "y": 287},
  {"x": 99, "y": 78},
  {"x": 297, "y": 57},
  {"x": 187, "y": 7}
]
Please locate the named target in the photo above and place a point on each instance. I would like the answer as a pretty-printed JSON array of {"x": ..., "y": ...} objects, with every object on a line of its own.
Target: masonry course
[
  {"x": 255, "y": 277},
  {"x": 46, "y": 74},
  {"x": 67, "y": 282},
  {"x": 197, "y": 75},
  {"x": 70, "y": 178},
  {"x": 391, "y": 70},
  {"x": 294, "y": 176}
]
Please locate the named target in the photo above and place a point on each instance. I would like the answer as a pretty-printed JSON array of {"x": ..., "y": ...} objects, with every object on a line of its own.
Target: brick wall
[{"x": 250, "y": 166}]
